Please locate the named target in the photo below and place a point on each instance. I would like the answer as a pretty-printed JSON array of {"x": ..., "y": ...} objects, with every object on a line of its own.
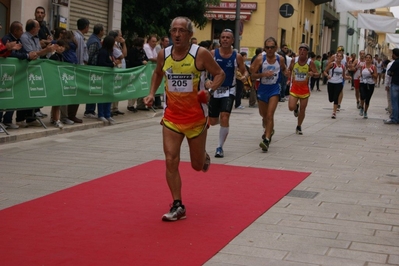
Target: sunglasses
[
  {"x": 269, "y": 47},
  {"x": 227, "y": 30}
]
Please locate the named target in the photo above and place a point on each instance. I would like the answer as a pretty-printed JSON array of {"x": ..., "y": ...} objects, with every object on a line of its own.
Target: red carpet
[{"x": 116, "y": 219}]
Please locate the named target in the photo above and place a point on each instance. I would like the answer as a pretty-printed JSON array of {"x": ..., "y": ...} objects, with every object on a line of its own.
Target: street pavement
[{"x": 345, "y": 213}]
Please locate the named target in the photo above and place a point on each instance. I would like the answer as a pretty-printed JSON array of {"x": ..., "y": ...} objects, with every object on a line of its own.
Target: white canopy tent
[
  {"x": 352, "y": 5},
  {"x": 373, "y": 22},
  {"x": 393, "y": 40},
  {"x": 376, "y": 22}
]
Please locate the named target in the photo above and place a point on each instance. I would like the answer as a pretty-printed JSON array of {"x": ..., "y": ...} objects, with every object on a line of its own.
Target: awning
[{"x": 227, "y": 15}]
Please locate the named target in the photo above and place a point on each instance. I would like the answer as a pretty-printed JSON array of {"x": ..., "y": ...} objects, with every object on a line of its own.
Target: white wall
[{"x": 22, "y": 10}]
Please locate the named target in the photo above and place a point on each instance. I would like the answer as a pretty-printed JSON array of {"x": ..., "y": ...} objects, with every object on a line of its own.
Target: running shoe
[
  {"x": 176, "y": 212},
  {"x": 207, "y": 163},
  {"x": 389, "y": 122},
  {"x": 296, "y": 111},
  {"x": 219, "y": 152},
  {"x": 264, "y": 144},
  {"x": 299, "y": 130},
  {"x": 333, "y": 116},
  {"x": 58, "y": 124},
  {"x": 361, "y": 111},
  {"x": 338, "y": 108},
  {"x": 264, "y": 136},
  {"x": 365, "y": 115}
]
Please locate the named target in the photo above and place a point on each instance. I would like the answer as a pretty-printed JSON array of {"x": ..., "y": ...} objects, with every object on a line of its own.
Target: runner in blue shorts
[{"x": 268, "y": 68}]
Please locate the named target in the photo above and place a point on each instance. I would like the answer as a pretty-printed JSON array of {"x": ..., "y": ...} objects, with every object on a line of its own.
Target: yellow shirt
[
  {"x": 300, "y": 80},
  {"x": 183, "y": 82}
]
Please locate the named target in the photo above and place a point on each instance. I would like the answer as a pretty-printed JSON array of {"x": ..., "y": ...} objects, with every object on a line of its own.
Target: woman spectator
[{"x": 105, "y": 58}]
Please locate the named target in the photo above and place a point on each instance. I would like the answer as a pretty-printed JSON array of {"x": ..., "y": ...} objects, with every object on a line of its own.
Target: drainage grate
[
  {"x": 351, "y": 137},
  {"x": 303, "y": 194}
]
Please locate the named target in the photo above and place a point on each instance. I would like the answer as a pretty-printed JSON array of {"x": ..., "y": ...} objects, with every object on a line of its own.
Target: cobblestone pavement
[{"x": 345, "y": 213}]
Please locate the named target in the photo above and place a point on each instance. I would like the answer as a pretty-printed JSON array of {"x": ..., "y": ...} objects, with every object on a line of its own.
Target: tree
[{"x": 144, "y": 17}]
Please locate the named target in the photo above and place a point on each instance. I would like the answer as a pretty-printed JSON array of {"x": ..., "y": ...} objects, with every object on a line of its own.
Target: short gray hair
[{"x": 189, "y": 25}]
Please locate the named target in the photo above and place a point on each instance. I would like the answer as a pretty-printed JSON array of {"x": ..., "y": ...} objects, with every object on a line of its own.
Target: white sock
[{"x": 223, "y": 132}]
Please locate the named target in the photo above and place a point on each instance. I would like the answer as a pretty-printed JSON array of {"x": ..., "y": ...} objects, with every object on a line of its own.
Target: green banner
[{"x": 39, "y": 83}]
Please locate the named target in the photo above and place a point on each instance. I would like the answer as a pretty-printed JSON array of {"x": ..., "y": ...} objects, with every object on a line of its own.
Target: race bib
[
  {"x": 222, "y": 92},
  {"x": 180, "y": 82}
]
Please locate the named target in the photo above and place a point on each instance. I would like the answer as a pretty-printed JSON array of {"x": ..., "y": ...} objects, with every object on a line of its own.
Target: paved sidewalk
[{"x": 345, "y": 213}]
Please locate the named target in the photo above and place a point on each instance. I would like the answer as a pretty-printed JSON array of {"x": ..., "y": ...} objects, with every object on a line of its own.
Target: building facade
[
  {"x": 291, "y": 22},
  {"x": 63, "y": 12}
]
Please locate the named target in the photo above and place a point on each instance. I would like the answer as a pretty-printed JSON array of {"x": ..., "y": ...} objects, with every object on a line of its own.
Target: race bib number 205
[{"x": 180, "y": 82}]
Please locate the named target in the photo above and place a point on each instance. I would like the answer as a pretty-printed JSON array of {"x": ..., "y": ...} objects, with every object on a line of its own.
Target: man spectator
[
  {"x": 30, "y": 42},
  {"x": 14, "y": 46},
  {"x": 93, "y": 46},
  {"x": 283, "y": 79},
  {"x": 194, "y": 40},
  {"x": 393, "y": 72},
  {"x": 150, "y": 51},
  {"x": 255, "y": 82},
  {"x": 83, "y": 58},
  {"x": 162, "y": 44},
  {"x": 45, "y": 38},
  {"x": 44, "y": 33}
]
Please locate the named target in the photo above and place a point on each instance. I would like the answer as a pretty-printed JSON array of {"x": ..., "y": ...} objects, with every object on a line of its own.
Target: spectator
[
  {"x": 30, "y": 42},
  {"x": 193, "y": 40},
  {"x": 135, "y": 57},
  {"x": 119, "y": 54},
  {"x": 283, "y": 79},
  {"x": 14, "y": 48},
  {"x": 44, "y": 33},
  {"x": 106, "y": 58},
  {"x": 57, "y": 56},
  {"x": 151, "y": 53},
  {"x": 83, "y": 58},
  {"x": 70, "y": 57},
  {"x": 93, "y": 46},
  {"x": 393, "y": 72},
  {"x": 240, "y": 85}
]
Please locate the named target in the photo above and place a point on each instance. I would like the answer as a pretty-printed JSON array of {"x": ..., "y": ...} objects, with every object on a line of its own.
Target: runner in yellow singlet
[
  {"x": 301, "y": 69},
  {"x": 183, "y": 65}
]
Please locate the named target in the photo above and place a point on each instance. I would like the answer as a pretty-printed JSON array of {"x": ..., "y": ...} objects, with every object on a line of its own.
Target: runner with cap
[{"x": 300, "y": 70}]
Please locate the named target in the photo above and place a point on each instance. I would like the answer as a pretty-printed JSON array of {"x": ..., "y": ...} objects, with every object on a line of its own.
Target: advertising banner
[{"x": 37, "y": 83}]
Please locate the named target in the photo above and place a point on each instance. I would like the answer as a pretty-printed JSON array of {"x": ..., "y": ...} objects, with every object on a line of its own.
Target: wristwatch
[{"x": 210, "y": 90}]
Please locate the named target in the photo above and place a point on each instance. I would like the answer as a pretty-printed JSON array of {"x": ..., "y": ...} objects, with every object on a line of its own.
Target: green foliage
[{"x": 144, "y": 17}]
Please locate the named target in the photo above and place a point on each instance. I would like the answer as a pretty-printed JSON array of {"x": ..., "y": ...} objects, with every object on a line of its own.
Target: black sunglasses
[{"x": 270, "y": 47}]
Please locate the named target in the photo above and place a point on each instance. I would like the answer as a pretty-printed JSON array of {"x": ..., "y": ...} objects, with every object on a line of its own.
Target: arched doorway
[{"x": 4, "y": 17}]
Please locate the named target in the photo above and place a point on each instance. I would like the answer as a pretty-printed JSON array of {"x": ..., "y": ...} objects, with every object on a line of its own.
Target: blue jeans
[
  {"x": 90, "y": 108},
  {"x": 104, "y": 110},
  {"x": 395, "y": 102}
]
